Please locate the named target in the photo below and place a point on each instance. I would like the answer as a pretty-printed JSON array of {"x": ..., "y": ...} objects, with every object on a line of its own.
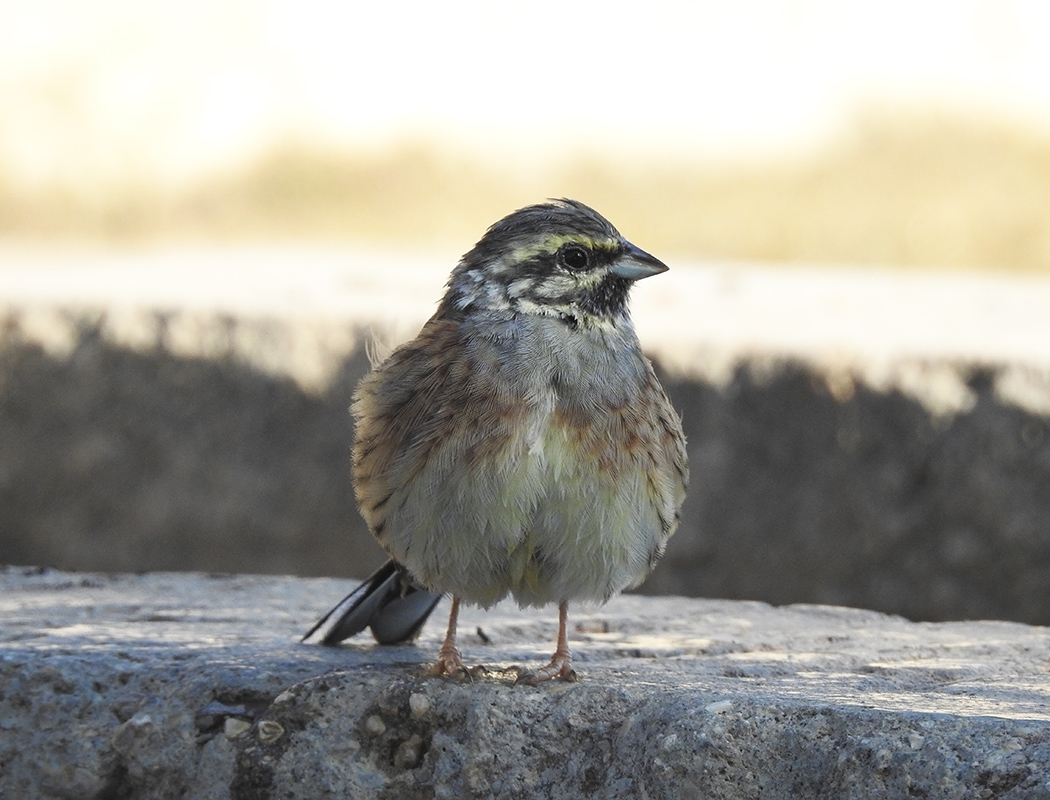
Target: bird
[{"x": 521, "y": 445}]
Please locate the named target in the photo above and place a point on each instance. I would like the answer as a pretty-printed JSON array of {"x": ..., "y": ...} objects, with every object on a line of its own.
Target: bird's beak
[{"x": 636, "y": 264}]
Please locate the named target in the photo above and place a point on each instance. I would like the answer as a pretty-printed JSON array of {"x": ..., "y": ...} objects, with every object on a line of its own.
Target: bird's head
[{"x": 560, "y": 259}]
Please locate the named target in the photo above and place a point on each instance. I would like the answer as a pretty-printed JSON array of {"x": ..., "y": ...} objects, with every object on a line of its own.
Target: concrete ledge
[{"x": 188, "y": 685}]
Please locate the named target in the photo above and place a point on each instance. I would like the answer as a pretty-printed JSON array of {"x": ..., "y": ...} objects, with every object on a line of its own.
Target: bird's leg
[
  {"x": 450, "y": 662},
  {"x": 560, "y": 668}
]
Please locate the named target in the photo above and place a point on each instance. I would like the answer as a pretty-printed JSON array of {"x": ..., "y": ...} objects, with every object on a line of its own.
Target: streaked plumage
[{"x": 521, "y": 443}]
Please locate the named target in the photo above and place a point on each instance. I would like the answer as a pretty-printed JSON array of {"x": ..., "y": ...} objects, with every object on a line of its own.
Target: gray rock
[{"x": 165, "y": 685}]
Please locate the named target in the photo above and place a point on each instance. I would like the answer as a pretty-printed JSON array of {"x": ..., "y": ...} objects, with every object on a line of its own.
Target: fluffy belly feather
[{"x": 544, "y": 525}]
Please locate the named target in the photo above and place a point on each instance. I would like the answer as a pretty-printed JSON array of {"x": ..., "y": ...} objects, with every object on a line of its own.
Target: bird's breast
[{"x": 519, "y": 470}]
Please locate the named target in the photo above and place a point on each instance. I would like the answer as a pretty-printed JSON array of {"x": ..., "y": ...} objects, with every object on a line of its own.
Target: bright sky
[{"x": 173, "y": 88}]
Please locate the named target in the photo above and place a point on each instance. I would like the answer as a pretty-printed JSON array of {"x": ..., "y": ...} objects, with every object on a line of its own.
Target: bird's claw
[
  {"x": 560, "y": 669},
  {"x": 450, "y": 665}
]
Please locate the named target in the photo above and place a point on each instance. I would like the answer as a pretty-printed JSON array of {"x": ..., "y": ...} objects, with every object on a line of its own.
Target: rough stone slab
[{"x": 189, "y": 685}]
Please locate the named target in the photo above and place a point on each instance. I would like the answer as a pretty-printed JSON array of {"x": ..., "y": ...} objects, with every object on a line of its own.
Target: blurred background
[
  {"x": 898, "y": 133},
  {"x": 206, "y": 208}
]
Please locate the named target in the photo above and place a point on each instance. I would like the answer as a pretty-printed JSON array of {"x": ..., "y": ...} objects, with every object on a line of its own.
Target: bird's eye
[{"x": 574, "y": 257}]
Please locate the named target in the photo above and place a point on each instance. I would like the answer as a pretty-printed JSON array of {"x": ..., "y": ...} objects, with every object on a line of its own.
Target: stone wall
[{"x": 809, "y": 484}]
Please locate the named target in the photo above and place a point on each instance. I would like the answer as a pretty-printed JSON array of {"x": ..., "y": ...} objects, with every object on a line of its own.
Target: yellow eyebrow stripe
[{"x": 557, "y": 240}]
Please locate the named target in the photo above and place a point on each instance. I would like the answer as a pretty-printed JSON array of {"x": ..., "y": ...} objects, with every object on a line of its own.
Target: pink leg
[
  {"x": 560, "y": 668},
  {"x": 450, "y": 662}
]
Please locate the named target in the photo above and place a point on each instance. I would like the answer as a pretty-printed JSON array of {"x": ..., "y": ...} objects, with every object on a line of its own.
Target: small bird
[{"x": 521, "y": 444}]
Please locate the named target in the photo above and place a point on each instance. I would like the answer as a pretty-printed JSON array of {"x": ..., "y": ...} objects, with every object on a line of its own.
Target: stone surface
[
  {"x": 869, "y": 439},
  {"x": 167, "y": 685}
]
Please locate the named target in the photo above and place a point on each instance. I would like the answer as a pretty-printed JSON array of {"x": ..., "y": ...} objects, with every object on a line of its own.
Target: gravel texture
[{"x": 191, "y": 685}]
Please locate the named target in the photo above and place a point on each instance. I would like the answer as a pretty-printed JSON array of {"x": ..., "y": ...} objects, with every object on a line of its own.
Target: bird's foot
[
  {"x": 560, "y": 669},
  {"x": 450, "y": 665}
]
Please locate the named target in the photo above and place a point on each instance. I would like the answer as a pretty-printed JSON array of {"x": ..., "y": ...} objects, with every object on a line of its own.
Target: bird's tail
[{"x": 386, "y": 602}]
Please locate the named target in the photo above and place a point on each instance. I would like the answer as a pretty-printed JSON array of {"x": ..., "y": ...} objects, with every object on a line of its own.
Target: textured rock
[{"x": 164, "y": 685}]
